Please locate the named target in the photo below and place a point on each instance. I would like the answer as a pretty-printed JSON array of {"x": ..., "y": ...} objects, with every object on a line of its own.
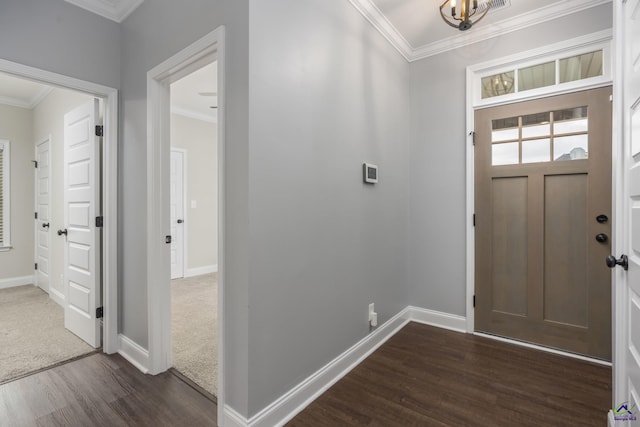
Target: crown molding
[
  {"x": 380, "y": 22},
  {"x": 31, "y": 103},
  {"x": 115, "y": 10},
  {"x": 194, "y": 114}
]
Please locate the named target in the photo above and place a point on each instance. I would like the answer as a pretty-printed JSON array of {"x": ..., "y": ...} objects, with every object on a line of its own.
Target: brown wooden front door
[{"x": 542, "y": 192}]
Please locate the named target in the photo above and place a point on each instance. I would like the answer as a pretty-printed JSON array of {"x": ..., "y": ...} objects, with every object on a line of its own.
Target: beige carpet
[
  {"x": 32, "y": 333},
  {"x": 194, "y": 329}
]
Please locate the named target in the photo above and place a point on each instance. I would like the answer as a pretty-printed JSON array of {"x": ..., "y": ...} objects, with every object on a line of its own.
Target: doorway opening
[
  {"x": 58, "y": 268},
  {"x": 193, "y": 208}
]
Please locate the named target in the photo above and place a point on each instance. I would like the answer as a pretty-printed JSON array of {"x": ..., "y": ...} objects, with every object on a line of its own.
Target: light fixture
[{"x": 468, "y": 9}]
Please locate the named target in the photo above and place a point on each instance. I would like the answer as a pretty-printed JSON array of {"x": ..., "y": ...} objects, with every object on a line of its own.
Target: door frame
[
  {"x": 203, "y": 51},
  {"x": 474, "y": 72},
  {"x": 35, "y": 196},
  {"x": 183, "y": 151},
  {"x": 109, "y": 185}
]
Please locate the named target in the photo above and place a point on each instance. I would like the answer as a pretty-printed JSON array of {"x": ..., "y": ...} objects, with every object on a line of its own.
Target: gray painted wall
[
  {"x": 157, "y": 30},
  {"x": 56, "y": 36},
  {"x": 437, "y": 225},
  {"x": 327, "y": 93}
]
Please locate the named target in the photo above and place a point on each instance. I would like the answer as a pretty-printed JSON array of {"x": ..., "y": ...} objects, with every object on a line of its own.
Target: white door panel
[
  {"x": 42, "y": 228},
  {"x": 176, "y": 213},
  {"x": 81, "y": 206}
]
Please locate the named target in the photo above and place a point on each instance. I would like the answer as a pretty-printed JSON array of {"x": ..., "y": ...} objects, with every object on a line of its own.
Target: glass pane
[
  {"x": 570, "y": 120},
  {"x": 504, "y": 154},
  {"x": 498, "y": 84},
  {"x": 504, "y": 129},
  {"x": 535, "y": 125},
  {"x": 581, "y": 67},
  {"x": 537, "y": 150},
  {"x": 537, "y": 76},
  {"x": 573, "y": 147}
]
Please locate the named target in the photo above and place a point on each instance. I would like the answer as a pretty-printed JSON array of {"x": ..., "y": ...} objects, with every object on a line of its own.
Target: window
[{"x": 5, "y": 156}]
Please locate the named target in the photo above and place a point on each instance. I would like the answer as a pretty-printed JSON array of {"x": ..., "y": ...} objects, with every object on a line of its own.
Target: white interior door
[
  {"x": 43, "y": 213},
  {"x": 81, "y": 206},
  {"x": 627, "y": 282},
  {"x": 177, "y": 213}
]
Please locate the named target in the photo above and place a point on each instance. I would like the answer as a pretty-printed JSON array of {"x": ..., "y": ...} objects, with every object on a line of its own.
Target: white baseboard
[
  {"x": 136, "y": 355},
  {"x": 56, "y": 296},
  {"x": 295, "y": 400},
  {"x": 611, "y": 421},
  {"x": 198, "y": 271},
  {"x": 438, "y": 318},
  {"x": 16, "y": 281}
]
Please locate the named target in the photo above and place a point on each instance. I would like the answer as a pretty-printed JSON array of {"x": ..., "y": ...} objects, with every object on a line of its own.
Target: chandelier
[{"x": 468, "y": 9}]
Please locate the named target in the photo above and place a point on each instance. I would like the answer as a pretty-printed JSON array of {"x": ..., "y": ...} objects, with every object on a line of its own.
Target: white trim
[
  {"x": 611, "y": 421},
  {"x": 6, "y": 193},
  {"x": 136, "y": 355},
  {"x": 473, "y": 73},
  {"x": 36, "y": 99},
  {"x": 196, "y": 55},
  {"x": 231, "y": 418},
  {"x": 57, "y": 296},
  {"x": 16, "y": 281},
  {"x": 545, "y": 349},
  {"x": 538, "y": 16},
  {"x": 437, "y": 318},
  {"x": 115, "y": 10},
  {"x": 109, "y": 185},
  {"x": 193, "y": 114},
  {"x": 300, "y": 396},
  {"x": 199, "y": 271}
]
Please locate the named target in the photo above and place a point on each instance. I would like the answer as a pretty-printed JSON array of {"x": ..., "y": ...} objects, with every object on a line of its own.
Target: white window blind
[
  {"x": 2, "y": 149},
  {"x": 5, "y": 156}
]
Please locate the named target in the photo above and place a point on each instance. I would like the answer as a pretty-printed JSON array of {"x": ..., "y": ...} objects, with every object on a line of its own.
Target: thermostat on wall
[{"x": 370, "y": 173}]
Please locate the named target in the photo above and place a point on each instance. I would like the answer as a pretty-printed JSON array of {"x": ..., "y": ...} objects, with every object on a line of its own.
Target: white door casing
[
  {"x": 43, "y": 211},
  {"x": 82, "y": 275},
  {"x": 176, "y": 211},
  {"x": 626, "y": 284}
]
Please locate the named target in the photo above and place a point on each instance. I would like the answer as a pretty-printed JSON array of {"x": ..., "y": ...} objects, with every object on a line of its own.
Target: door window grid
[{"x": 541, "y": 137}]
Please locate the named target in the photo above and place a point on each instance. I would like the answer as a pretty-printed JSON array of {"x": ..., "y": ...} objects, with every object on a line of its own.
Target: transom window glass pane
[
  {"x": 498, "y": 84},
  {"x": 504, "y": 154},
  {"x": 536, "y": 150},
  {"x": 581, "y": 67},
  {"x": 537, "y": 76},
  {"x": 571, "y": 120},
  {"x": 574, "y": 147}
]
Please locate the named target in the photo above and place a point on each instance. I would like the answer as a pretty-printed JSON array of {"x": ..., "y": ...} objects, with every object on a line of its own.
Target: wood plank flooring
[
  {"x": 101, "y": 390},
  {"x": 425, "y": 376}
]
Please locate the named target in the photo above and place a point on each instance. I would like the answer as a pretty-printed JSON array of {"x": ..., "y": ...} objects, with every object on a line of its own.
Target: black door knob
[
  {"x": 602, "y": 238},
  {"x": 45, "y": 225},
  {"x": 180, "y": 221},
  {"x": 602, "y": 219},
  {"x": 622, "y": 262},
  {"x": 61, "y": 232}
]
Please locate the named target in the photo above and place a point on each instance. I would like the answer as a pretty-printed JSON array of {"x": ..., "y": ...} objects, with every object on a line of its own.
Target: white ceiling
[
  {"x": 191, "y": 96},
  {"x": 22, "y": 93},
  {"x": 116, "y": 10}
]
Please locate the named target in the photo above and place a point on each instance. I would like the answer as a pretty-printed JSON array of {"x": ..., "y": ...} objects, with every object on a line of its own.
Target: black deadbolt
[
  {"x": 180, "y": 221},
  {"x": 602, "y": 238},
  {"x": 602, "y": 219}
]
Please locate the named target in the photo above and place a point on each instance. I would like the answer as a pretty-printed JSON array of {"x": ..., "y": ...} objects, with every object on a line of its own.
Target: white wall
[
  {"x": 199, "y": 139},
  {"x": 48, "y": 119},
  {"x": 437, "y": 226},
  {"x": 15, "y": 126},
  {"x": 327, "y": 93}
]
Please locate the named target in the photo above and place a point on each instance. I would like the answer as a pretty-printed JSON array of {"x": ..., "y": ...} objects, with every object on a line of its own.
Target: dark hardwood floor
[
  {"x": 101, "y": 390},
  {"x": 425, "y": 376}
]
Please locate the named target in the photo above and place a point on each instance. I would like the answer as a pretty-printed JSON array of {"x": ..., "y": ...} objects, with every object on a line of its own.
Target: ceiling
[
  {"x": 193, "y": 95},
  {"x": 415, "y": 27},
  {"x": 22, "y": 93}
]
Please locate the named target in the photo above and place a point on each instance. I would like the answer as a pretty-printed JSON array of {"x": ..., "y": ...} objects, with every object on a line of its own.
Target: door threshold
[{"x": 545, "y": 349}]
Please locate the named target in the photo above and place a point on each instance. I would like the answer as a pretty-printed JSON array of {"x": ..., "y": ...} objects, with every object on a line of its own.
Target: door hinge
[
  {"x": 474, "y": 220},
  {"x": 35, "y": 267},
  {"x": 99, "y": 313},
  {"x": 99, "y": 130},
  {"x": 35, "y": 163},
  {"x": 473, "y": 136},
  {"x": 35, "y": 215},
  {"x": 474, "y": 301},
  {"x": 167, "y": 239},
  {"x": 99, "y": 221}
]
